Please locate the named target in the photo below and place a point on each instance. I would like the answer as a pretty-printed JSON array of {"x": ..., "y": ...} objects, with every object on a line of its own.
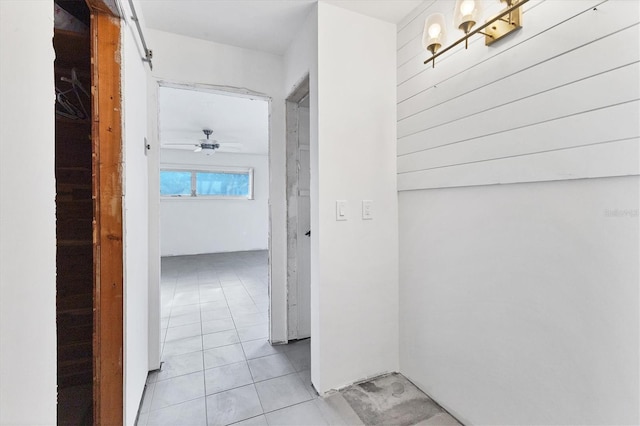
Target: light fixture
[
  {"x": 501, "y": 27},
  {"x": 466, "y": 15},
  {"x": 434, "y": 35}
]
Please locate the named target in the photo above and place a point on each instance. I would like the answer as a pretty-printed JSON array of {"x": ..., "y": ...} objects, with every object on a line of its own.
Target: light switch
[
  {"x": 367, "y": 209},
  {"x": 341, "y": 210}
]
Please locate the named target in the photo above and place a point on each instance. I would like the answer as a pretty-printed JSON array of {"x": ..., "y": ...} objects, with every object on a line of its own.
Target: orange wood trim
[
  {"x": 108, "y": 7},
  {"x": 107, "y": 231}
]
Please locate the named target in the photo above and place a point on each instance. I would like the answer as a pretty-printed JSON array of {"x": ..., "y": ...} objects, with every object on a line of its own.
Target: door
[{"x": 304, "y": 223}]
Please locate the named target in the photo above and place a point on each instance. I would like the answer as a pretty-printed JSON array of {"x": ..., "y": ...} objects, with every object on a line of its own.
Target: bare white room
[{"x": 320, "y": 212}]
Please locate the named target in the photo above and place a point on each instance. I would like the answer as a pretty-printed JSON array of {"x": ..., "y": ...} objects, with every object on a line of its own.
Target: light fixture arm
[{"x": 478, "y": 30}]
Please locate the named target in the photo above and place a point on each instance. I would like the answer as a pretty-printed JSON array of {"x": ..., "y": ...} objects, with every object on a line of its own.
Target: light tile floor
[{"x": 218, "y": 367}]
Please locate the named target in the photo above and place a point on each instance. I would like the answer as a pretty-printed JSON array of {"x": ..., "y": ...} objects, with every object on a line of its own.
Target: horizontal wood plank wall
[{"x": 559, "y": 99}]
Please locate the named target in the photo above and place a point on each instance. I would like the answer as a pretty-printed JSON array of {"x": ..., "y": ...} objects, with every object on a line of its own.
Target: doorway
[
  {"x": 214, "y": 171},
  {"x": 89, "y": 282},
  {"x": 214, "y": 220},
  {"x": 299, "y": 231},
  {"x": 74, "y": 216}
]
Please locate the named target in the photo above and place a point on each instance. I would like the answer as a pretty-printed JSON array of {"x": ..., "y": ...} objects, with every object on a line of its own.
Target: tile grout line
[
  {"x": 246, "y": 361},
  {"x": 164, "y": 338},
  {"x": 234, "y": 318},
  {"x": 204, "y": 377}
]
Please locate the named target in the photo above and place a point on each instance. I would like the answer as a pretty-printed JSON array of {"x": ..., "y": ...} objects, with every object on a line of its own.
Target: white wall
[
  {"x": 354, "y": 275},
  {"x": 519, "y": 302},
  {"x": 354, "y": 262},
  {"x": 27, "y": 215},
  {"x": 179, "y": 59},
  {"x": 153, "y": 169},
  {"x": 301, "y": 57},
  {"x": 194, "y": 226},
  {"x": 135, "y": 212},
  {"x": 457, "y": 123}
]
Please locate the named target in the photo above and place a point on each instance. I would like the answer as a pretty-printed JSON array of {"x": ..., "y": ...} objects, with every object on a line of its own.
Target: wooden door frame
[{"x": 108, "y": 285}]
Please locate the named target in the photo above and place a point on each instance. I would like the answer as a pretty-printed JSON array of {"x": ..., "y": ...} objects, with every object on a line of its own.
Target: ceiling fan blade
[
  {"x": 226, "y": 148},
  {"x": 179, "y": 145},
  {"x": 208, "y": 145}
]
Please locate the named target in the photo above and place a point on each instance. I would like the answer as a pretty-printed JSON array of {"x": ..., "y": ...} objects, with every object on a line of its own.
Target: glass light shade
[
  {"x": 434, "y": 35},
  {"x": 466, "y": 14}
]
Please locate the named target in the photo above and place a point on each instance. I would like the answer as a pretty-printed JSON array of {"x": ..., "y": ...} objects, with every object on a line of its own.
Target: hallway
[{"x": 218, "y": 367}]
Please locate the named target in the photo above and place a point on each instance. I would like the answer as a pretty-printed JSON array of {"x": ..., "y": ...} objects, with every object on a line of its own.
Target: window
[
  {"x": 210, "y": 184},
  {"x": 175, "y": 183}
]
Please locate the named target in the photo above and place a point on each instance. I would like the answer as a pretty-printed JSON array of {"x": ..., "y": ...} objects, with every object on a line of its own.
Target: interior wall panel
[
  {"x": 563, "y": 70},
  {"x": 483, "y": 110},
  {"x": 603, "y": 90},
  {"x": 518, "y": 216},
  {"x": 544, "y": 137},
  {"x": 549, "y": 24}
]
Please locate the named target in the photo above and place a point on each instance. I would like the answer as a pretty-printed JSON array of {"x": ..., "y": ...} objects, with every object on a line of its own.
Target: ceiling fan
[{"x": 207, "y": 145}]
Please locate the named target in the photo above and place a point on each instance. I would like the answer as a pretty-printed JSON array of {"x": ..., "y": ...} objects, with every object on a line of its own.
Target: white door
[{"x": 304, "y": 225}]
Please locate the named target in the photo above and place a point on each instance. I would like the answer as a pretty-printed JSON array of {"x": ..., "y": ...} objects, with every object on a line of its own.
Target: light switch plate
[
  {"x": 367, "y": 209},
  {"x": 341, "y": 210}
]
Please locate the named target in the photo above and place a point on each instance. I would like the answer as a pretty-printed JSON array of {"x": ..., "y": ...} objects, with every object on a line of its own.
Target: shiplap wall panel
[
  {"x": 585, "y": 95},
  {"x": 412, "y": 50},
  {"x": 561, "y": 93},
  {"x": 415, "y": 66},
  {"x": 573, "y": 66},
  {"x": 618, "y": 158},
  {"x": 459, "y": 59},
  {"x": 588, "y": 129},
  {"x": 413, "y": 53},
  {"x": 539, "y": 40},
  {"x": 413, "y": 23},
  {"x": 408, "y": 52}
]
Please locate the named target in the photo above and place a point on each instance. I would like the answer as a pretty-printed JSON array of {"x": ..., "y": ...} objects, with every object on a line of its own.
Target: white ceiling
[
  {"x": 265, "y": 25},
  {"x": 386, "y": 10},
  {"x": 183, "y": 114}
]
